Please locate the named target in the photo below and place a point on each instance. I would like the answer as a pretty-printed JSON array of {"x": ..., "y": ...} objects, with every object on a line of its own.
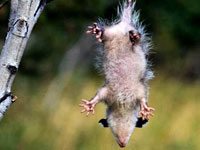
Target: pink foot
[
  {"x": 96, "y": 30},
  {"x": 88, "y": 107},
  {"x": 146, "y": 112}
]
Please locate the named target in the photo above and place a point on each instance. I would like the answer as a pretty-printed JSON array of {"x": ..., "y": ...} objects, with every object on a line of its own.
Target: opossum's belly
[
  {"x": 123, "y": 77},
  {"x": 125, "y": 70}
]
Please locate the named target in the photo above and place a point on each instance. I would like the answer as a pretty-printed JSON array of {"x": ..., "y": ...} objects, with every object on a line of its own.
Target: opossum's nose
[{"x": 122, "y": 142}]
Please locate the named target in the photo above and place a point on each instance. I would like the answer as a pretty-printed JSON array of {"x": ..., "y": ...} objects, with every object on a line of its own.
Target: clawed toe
[
  {"x": 88, "y": 107},
  {"x": 146, "y": 112},
  {"x": 96, "y": 30}
]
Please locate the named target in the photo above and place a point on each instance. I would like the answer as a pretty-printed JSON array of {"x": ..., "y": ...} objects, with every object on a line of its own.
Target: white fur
[{"x": 121, "y": 28}]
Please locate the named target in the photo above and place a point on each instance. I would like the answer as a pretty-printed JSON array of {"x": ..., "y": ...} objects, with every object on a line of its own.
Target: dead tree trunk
[{"x": 23, "y": 16}]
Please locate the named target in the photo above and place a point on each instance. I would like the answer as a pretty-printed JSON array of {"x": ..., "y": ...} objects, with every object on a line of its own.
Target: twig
[{"x": 4, "y": 3}]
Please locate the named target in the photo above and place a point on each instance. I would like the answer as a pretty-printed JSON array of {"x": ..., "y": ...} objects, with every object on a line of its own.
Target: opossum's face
[{"x": 122, "y": 126}]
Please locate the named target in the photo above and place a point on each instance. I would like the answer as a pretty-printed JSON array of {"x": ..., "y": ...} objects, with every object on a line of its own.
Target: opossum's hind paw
[
  {"x": 134, "y": 37},
  {"x": 146, "y": 112},
  {"x": 88, "y": 107},
  {"x": 96, "y": 30}
]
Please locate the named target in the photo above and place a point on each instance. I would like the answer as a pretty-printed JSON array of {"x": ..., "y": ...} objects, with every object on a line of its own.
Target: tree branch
[
  {"x": 4, "y": 3},
  {"x": 21, "y": 22}
]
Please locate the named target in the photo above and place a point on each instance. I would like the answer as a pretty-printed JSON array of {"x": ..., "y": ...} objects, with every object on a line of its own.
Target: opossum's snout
[
  {"x": 122, "y": 141},
  {"x": 122, "y": 132},
  {"x": 122, "y": 127}
]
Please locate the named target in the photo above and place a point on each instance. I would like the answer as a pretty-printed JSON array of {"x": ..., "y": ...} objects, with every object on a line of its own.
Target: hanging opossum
[{"x": 126, "y": 70}]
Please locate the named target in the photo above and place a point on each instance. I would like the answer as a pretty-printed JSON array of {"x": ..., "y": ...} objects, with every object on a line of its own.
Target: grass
[{"x": 31, "y": 124}]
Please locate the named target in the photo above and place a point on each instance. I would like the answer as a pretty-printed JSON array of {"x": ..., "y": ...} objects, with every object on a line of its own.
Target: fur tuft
[{"x": 99, "y": 59}]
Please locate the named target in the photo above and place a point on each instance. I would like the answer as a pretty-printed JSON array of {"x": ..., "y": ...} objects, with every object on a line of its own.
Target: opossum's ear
[
  {"x": 141, "y": 122},
  {"x": 134, "y": 37},
  {"x": 104, "y": 123}
]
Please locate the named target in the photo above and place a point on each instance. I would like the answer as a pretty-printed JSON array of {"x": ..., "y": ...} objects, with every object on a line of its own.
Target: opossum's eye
[
  {"x": 141, "y": 122},
  {"x": 104, "y": 123},
  {"x": 134, "y": 37}
]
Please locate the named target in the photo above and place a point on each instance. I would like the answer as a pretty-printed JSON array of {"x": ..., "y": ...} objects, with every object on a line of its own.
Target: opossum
[{"x": 125, "y": 67}]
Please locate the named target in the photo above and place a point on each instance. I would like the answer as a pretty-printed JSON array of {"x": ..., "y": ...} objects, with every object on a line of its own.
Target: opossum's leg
[
  {"x": 88, "y": 106},
  {"x": 145, "y": 111},
  {"x": 134, "y": 37},
  {"x": 97, "y": 30}
]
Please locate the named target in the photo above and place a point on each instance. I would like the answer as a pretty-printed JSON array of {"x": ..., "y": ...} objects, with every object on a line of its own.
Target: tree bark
[{"x": 23, "y": 16}]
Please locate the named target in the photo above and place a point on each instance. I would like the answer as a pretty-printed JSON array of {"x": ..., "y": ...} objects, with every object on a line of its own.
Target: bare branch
[
  {"x": 23, "y": 17},
  {"x": 4, "y": 3}
]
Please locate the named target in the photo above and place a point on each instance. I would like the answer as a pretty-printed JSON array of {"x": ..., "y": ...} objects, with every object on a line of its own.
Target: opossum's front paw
[
  {"x": 134, "y": 37},
  {"x": 88, "y": 107},
  {"x": 146, "y": 112},
  {"x": 96, "y": 30}
]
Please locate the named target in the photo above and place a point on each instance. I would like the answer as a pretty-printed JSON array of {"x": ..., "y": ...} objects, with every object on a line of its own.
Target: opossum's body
[{"x": 124, "y": 65}]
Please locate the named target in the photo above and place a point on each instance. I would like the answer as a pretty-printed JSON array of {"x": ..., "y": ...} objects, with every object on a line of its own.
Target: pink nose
[{"x": 122, "y": 142}]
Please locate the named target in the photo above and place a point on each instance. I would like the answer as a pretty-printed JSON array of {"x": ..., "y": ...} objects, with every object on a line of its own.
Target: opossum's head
[{"x": 122, "y": 124}]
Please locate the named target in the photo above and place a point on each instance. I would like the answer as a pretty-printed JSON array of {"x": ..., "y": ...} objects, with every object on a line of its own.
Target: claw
[
  {"x": 85, "y": 101},
  {"x": 100, "y": 40},
  {"x": 82, "y": 111},
  {"x": 98, "y": 36},
  {"x": 88, "y": 32}
]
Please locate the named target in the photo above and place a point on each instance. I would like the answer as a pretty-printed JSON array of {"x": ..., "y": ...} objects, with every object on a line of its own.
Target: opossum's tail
[
  {"x": 126, "y": 11},
  {"x": 129, "y": 15}
]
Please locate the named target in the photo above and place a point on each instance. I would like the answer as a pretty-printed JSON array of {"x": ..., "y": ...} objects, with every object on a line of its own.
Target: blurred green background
[{"x": 57, "y": 71}]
